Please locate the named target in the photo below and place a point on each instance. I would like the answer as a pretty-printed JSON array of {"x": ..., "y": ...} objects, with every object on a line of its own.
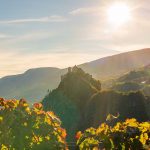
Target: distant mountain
[
  {"x": 34, "y": 83},
  {"x": 115, "y": 65},
  {"x": 80, "y": 102}
]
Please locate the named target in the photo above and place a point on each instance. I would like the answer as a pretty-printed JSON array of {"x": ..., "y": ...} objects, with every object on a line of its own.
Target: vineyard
[
  {"x": 25, "y": 128},
  {"x": 130, "y": 135}
]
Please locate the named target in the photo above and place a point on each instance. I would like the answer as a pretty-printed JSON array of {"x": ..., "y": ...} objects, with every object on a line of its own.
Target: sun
[{"x": 118, "y": 14}]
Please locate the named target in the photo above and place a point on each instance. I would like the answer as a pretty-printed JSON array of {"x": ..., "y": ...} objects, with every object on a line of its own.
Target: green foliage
[
  {"x": 134, "y": 75},
  {"x": 65, "y": 109},
  {"x": 124, "y": 135},
  {"x": 27, "y": 128},
  {"x": 128, "y": 105},
  {"x": 127, "y": 86},
  {"x": 146, "y": 90},
  {"x": 69, "y": 100},
  {"x": 79, "y": 102},
  {"x": 132, "y": 81}
]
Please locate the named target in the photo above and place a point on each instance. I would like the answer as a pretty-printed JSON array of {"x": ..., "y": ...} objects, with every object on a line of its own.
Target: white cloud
[
  {"x": 10, "y": 40},
  {"x": 86, "y": 10},
  {"x": 34, "y": 35},
  {"x": 4, "y": 36},
  {"x": 54, "y": 18}
]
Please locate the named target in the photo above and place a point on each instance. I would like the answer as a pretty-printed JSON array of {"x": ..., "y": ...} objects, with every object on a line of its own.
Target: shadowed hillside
[
  {"x": 128, "y": 105},
  {"x": 69, "y": 99},
  {"x": 80, "y": 103}
]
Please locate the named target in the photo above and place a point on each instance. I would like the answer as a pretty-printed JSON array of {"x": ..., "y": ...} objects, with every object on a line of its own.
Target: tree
[{"x": 27, "y": 128}]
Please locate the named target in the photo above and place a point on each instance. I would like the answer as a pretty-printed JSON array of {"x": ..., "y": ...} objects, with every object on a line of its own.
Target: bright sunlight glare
[{"x": 118, "y": 14}]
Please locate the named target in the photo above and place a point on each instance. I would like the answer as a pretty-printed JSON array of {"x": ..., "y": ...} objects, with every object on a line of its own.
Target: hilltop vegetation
[
  {"x": 133, "y": 81},
  {"x": 79, "y": 97},
  {"x": 68, "y": 101}
]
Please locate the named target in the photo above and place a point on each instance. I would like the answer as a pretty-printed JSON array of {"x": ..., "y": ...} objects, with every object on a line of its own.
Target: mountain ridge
[
  {"x": 118, "y": 63},
  {"x": 34, "y": 83}
]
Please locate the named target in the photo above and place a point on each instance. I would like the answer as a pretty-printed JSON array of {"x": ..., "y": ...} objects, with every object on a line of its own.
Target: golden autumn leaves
[
  {"x": 22, "y": 127},
  {"x": 124, "y": 135},
  {"x": 32, "y": 128}
]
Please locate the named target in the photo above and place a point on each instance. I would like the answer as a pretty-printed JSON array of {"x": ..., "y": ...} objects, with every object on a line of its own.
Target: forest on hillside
[
  {"x": 80, "y": 114},
  {"x": 80, "y": 102}
]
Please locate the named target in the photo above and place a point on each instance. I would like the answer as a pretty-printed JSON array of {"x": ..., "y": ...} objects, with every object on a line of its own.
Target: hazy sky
[{"x": 62, "y": 33}]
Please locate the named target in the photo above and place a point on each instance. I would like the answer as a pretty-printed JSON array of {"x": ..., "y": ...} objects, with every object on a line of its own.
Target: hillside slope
[
  {"x": 115, "y": 65},
  {"x": 80, "y": 103},
  {"x": 134, "y": 80},
  {"x": 34, "y": 83},
  {"x": 128, "y": 105},
  {"x": 69, "y": 99}
]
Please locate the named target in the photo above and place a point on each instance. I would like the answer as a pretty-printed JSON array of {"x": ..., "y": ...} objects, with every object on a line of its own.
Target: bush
[
  {"x": 27, "y": 128},
  {"x": 124, "y": 135}
]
